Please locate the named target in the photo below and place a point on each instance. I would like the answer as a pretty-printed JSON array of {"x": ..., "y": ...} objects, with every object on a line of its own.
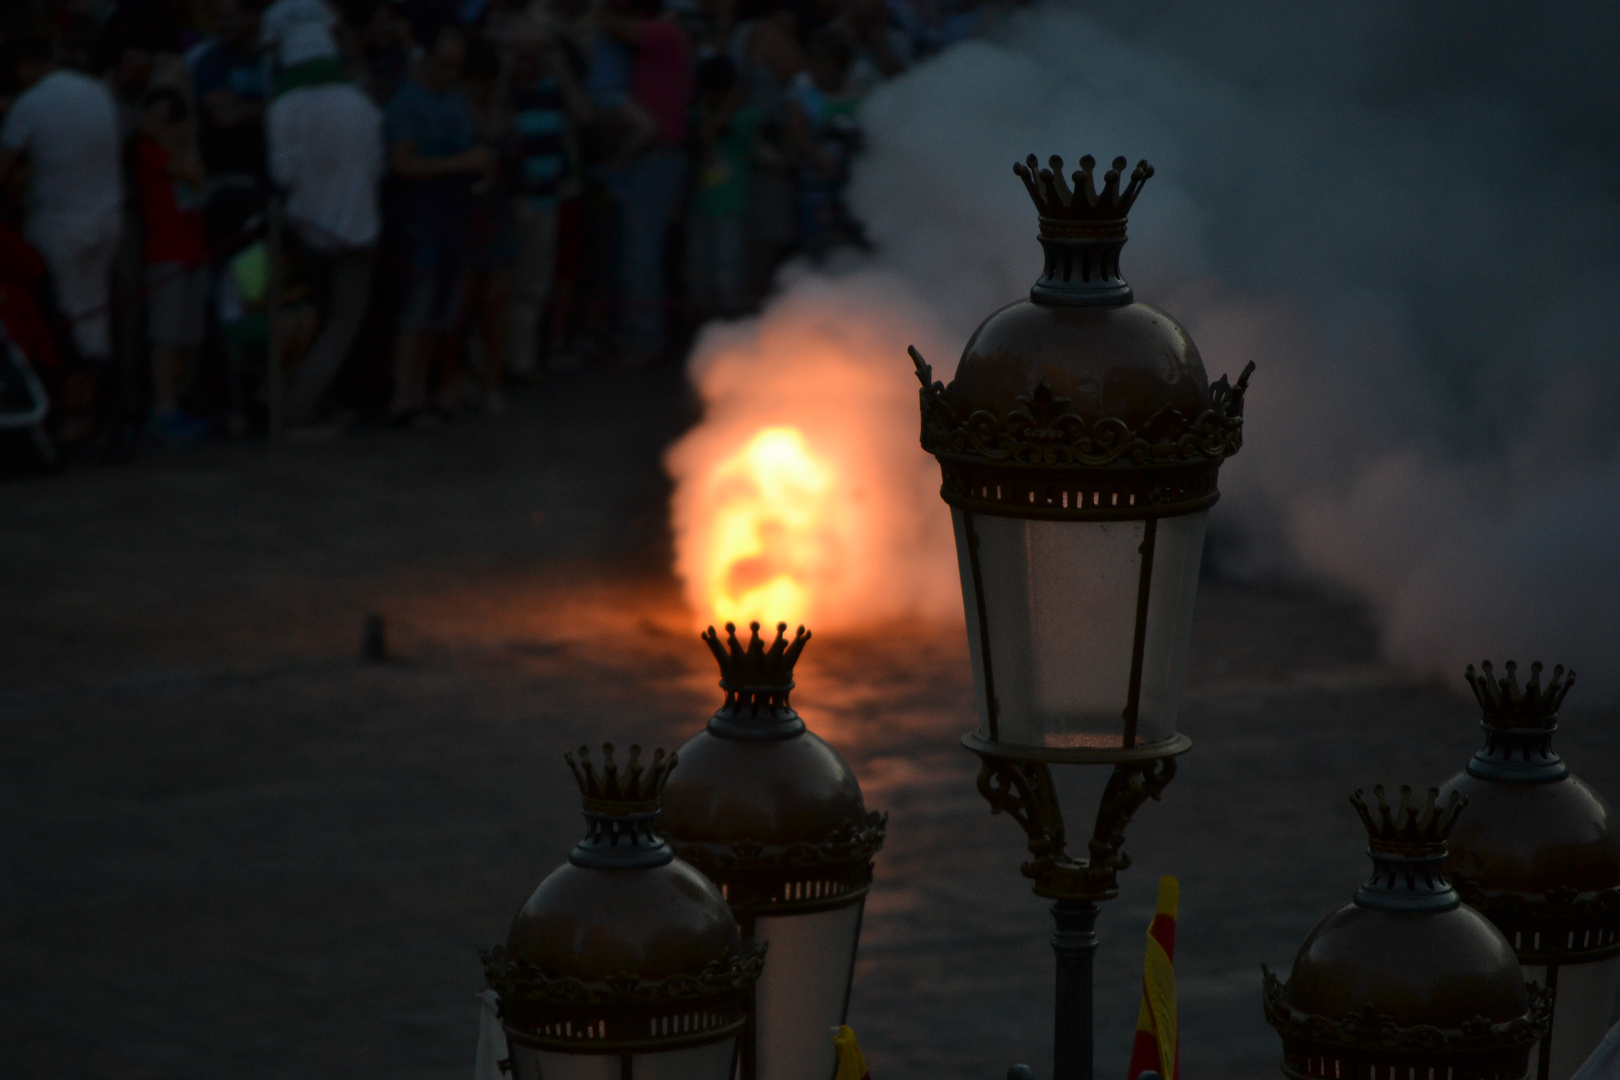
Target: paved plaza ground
[{"x": 231, "y": 848}]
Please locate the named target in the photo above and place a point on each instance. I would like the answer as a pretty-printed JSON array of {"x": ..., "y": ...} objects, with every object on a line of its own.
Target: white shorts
[{"x": 81, "y": 264}]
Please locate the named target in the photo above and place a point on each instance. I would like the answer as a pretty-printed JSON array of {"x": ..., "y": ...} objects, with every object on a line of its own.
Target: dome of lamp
[
  {"x": 755, "y": 780},
  {"x": 1533, "y": 830},
  {"x": 1406, "y": 979}
]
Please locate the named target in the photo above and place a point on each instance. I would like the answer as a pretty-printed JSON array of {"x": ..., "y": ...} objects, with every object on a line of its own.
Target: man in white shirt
[
  {"x": 326, "y": 153},
  {"x": 299, "y": 31},
  {"x": 64, "y": 129}
]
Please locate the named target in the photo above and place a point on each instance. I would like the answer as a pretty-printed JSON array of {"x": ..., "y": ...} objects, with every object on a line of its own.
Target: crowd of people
[{"x": 219, "y": 215}]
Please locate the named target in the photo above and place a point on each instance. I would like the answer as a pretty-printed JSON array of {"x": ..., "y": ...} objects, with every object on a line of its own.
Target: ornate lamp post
[
  {"x": 1406, "y": 981},
  {"x": 772, "y": 815},
  {"x": 1538, "y": 854},
  {"x": 625, "y": 964},
  {"x": 1079, "y": 446}
]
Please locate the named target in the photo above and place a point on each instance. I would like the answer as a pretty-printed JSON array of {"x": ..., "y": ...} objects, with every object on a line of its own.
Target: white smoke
[{"x": 1431, "y": 303}]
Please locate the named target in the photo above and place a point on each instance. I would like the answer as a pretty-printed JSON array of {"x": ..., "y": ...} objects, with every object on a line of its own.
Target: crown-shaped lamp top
[
  {"x": 620, "y": 806},
  {"x": 1412, "y": 829},
  {"x": 1082, "y": 231},
  {"x": 1407, "y": 844},
  {"x": 1506, "y": 704},
  {"x": 1081, "y": 211},
  {"x": 757, "y": 681},
  {"x": 1519, "y": 723},
  {"x": 612, "y": 792}
]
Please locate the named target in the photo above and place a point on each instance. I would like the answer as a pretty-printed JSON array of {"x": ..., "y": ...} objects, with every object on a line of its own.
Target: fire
[
  {"x": 802, "y": 496},
  {"x": 776, "y": 527}
]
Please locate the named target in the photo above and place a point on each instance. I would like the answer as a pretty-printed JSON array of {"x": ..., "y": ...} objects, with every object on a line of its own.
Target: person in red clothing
[
  {"x": 169, "y": 179},
  {"x": 22, "y": 278}
]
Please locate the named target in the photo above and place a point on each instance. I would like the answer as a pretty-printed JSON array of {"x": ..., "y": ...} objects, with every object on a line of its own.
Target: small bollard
[{"x": 374, "y": 639}]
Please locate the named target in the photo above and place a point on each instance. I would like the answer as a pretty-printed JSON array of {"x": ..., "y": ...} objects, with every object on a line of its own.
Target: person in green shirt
[{"x": 725, "y": 129}]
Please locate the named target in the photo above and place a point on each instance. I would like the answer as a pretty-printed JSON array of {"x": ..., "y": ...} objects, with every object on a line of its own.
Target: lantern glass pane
[
  {"x": 531, "y": 1064},
  {"x": 800, "y": 996},
  {"x": 1583, "y": 1011},
  {"x": 711, "y": 1062},
  {"x": 1178, "y": 554},
  {"x": 1060, "y": 602}
]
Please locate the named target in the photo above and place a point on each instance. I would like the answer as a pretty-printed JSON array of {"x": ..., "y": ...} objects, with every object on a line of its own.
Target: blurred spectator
[
  {"x": 169, "y": 179},
  {"x": 431, "y": 136},
  {"x": 63, "y": 128},
  {"x": 823, "y": 130},
  {"x": 385, "y": 46},
  {"x": 326, "y": 153},
  {"x": 232, "y": 85},
  {"x": 931, "y": 25},
  {"x": 717, "y": 230},
  {"x": 650, "y": 185},
  {"x": 491, "y": 243},
  {"x": 768, "y": 56},
  {"x": 879, "y": 49},
  {"x": 544, "y": 101},
  {"x": 300, "y": 35},
  {"x": 22, "y": 284}
]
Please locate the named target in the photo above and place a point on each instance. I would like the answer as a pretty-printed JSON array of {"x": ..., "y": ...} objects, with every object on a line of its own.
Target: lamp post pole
[
  {"x": 1024, "y": 791},
  {"x": 1074, "y": 941}
]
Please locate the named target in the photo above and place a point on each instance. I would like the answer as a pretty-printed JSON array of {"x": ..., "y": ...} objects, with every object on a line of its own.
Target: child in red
[{"x": 169, "y": 179}]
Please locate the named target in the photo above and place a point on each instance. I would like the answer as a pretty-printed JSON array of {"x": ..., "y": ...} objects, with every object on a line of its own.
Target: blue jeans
[{"x": 649, "y": 188}]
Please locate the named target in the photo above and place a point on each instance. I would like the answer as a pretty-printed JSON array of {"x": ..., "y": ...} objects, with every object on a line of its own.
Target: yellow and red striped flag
[
  {"x": 851, "y": 1065},
  {"x": 1155, "y": 1047}
]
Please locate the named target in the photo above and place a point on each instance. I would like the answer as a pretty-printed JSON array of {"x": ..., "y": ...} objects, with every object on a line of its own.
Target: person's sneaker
[{"x": 176, "y": 427}]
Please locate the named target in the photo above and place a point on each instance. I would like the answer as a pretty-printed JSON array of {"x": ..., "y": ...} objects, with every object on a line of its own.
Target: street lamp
[
  {"x": 625, "y": 964},
  {"x": 1405, "y": 981},
  {"x": 1537, "y": 853},
  {"x": 775, "y": 817},
  {"x": 1079, "y": 445}
]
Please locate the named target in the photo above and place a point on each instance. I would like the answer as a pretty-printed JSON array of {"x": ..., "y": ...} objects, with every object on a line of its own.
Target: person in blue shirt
[
  {"x": 231, "y": 81},
  {"x": 434, "y": 153},
  {"x": 544, "y": 102}
]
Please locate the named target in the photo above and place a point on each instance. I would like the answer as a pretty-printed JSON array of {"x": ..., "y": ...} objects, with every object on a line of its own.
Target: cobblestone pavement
[{"x": 233, "y": 849}]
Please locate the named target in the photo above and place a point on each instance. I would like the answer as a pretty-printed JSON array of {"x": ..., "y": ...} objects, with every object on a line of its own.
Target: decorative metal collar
[
  {"x": 625, "y": 1012},
  {"x": 1370, "y": 1029},
  {"x": 514, "y": 978},
  {"x": 758, "y": 878},
  {"x": 1561, "y": 926},
  {"x": 1043, "y": 459}
]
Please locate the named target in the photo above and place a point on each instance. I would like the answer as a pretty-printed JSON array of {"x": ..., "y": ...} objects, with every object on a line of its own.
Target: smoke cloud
[{"x": 1422, "y": 263}]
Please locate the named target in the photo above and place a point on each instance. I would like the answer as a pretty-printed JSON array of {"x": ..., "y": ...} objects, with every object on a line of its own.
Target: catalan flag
[
  {"x": 1155, "y": 1047},
  {"x": 851, "y": 1065}
]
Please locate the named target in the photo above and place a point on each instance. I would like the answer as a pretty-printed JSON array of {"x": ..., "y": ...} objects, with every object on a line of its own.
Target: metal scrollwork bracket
[{"x": 1024, "y": 791}]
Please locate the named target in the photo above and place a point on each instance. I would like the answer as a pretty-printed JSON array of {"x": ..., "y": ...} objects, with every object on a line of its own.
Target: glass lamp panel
[
  {"x": 801, "y": 995},
  {"x": 1178, "y": 554},
  {"x": 531, "y": 1064},
  {"x": 1583, "y": 1011},
  {"x": 1060, "y": 602},
  {"x": 711, "y": 1062}
]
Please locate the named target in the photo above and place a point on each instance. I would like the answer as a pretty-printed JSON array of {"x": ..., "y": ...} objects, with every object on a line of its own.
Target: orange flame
[
  {"x": 776, "y": 527},
  {"x": 803, "y": 496}
]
